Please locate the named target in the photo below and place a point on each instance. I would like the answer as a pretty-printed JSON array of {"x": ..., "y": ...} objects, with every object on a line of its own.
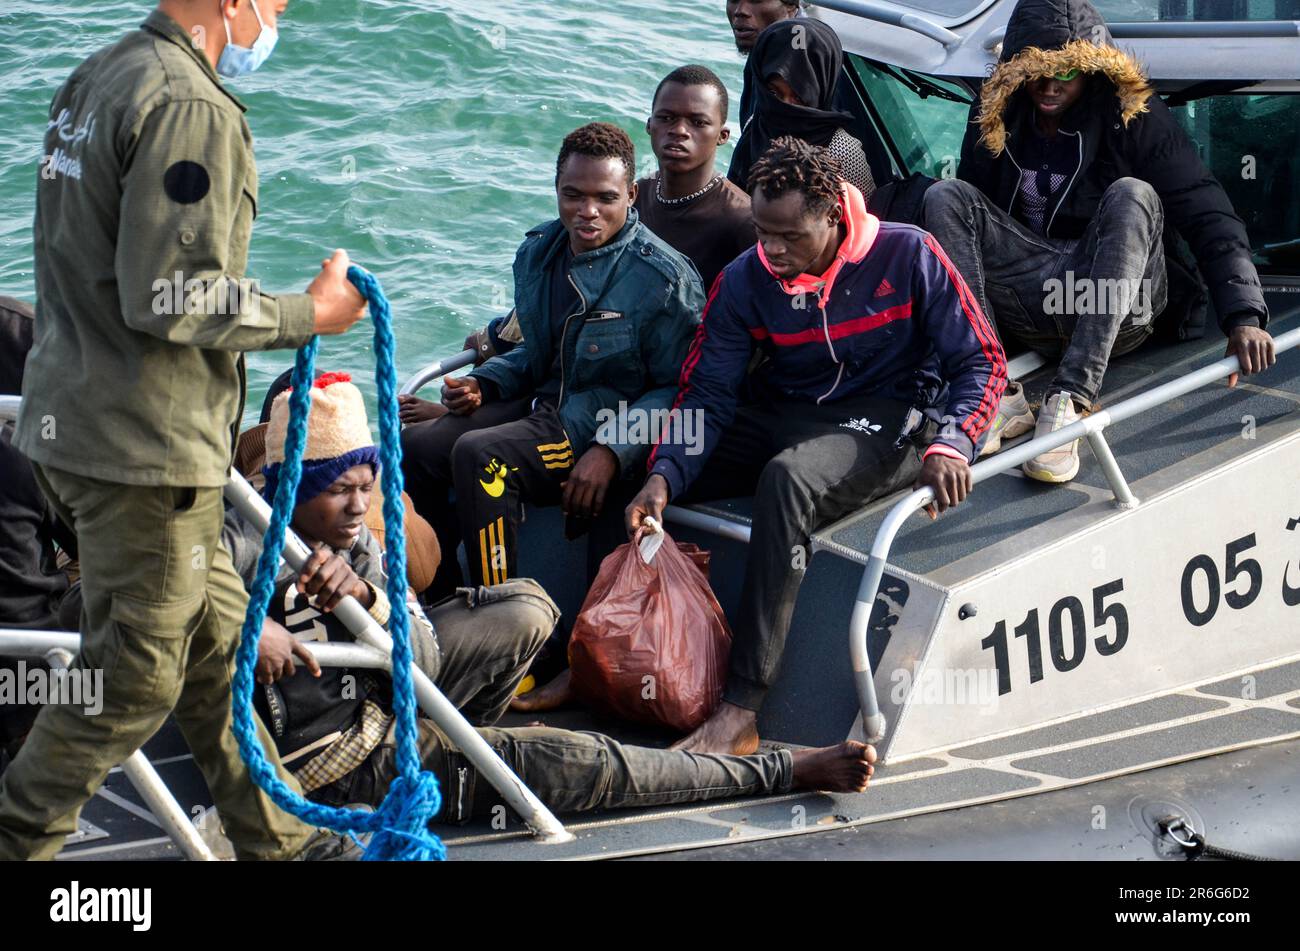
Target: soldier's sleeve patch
[{"x": 186, "y": 182}]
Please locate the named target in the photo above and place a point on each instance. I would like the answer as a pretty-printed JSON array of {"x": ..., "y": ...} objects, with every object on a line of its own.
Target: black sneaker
[{"x": 325, "y": 845}]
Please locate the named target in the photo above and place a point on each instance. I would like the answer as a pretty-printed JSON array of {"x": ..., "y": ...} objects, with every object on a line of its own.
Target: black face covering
[{"x": 807, "y": 54}]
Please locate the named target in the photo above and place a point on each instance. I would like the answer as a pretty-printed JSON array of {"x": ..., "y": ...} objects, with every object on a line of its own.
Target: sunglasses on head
[{"x": 1066, "y": 76}]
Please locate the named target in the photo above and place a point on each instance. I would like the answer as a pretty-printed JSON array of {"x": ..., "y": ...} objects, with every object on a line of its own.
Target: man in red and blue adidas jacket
[{"x": 881, "y": 372}]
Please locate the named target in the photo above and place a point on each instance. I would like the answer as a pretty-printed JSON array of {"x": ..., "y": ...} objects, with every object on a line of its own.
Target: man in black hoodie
[{"x": 1057, "y": 219}]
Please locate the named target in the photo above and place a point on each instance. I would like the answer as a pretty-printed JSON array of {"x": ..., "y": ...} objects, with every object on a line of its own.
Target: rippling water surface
[{"x": 419, "y": 135}]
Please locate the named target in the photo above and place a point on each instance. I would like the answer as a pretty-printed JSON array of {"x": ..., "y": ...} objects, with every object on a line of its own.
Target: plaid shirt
[{"x": 348, "y": 752}]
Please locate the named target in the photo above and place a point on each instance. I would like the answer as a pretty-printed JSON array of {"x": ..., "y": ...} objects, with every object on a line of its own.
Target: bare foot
[
  {"x": 551, "y": 697},
  {"x": 843, "y": 768},
  {"x": 731, "y": 729}
]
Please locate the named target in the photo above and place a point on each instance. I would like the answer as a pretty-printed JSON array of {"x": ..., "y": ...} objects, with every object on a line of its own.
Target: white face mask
[{"x": 239, "y": 60}]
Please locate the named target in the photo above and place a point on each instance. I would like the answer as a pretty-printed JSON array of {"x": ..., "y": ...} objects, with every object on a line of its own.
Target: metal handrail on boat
[
  {"x": 57, "y": 648},
  {"x": 891, "y": 16},
  {"x": 1205, "y": 29},
  {"x": 436, "y": 369},
  {"x": 1090, "y": 427}
]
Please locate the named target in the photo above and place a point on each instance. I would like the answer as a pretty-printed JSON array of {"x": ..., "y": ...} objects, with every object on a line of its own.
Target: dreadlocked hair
[
  {"x": 598, "y": 140},
  {"x": 792, "y": 165}
]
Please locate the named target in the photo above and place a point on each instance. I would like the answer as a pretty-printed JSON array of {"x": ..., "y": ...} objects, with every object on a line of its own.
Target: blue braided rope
[{"x": 400, "y": 824}]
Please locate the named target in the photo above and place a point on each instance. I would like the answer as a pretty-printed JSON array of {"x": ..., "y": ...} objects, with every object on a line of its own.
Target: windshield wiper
[{"x": 922, "y": 85}]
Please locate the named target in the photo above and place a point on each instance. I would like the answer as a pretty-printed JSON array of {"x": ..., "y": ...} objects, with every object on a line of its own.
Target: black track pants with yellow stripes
[{"x": 495, "y": 470}]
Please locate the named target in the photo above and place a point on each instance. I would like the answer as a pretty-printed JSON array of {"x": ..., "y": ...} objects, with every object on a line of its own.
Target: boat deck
[
  {"x": 1102, "y": 747},
  {"x": 814, "y": 703},
  {"x": 1160, "y": 732}
]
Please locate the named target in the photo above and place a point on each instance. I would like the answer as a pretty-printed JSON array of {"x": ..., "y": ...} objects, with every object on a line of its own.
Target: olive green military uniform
[{"x": 133, "y": 392}]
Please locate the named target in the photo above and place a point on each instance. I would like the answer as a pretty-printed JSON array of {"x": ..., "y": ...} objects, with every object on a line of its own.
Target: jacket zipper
[
  {"x": 1048, "y": 230},
  {"x": 1015, "y": 193},
  {"x": 462, "y": 776},
  {"x": 564, "y": 335}
]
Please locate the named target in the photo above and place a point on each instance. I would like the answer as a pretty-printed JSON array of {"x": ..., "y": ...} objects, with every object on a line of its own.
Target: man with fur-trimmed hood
[{"x": 1057, "y": 218}]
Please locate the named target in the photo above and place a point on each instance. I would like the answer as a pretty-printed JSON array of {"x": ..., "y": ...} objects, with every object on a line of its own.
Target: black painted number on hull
[
  {"x": 1067, "y": 636},
  {"x": 1232, "y": 570}
]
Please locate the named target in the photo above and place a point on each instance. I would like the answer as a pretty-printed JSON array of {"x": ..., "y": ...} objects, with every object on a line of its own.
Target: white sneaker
[
  {"x": 1060, "y": 464},
  {"x": 1014, "y": 418}
]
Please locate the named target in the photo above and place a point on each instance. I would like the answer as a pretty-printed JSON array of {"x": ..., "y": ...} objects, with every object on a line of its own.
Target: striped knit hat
[{"x": 338, "y": 437}]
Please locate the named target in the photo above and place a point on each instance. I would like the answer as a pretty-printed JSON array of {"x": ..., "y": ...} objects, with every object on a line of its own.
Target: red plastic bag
[{"x": 651, "y": 642}]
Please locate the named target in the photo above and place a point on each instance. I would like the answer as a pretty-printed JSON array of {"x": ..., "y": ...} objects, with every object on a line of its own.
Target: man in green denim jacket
[
  {"x": 606, "y": 312},
  {"x": 132, "y": 394}
]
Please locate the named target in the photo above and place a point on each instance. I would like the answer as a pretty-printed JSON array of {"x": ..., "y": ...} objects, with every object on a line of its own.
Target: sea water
[{"x": 419, "y": 135}]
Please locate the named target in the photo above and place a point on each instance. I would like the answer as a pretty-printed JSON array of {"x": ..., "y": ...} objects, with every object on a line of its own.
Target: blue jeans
[{"x": 1080, "y": 301}]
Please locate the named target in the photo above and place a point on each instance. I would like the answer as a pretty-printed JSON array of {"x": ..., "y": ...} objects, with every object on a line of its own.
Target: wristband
[{"x": 942, "y": 449}]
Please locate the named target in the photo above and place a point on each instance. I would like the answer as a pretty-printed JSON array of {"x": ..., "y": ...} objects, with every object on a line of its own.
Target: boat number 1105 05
[{"x": 1069, "y": 630}]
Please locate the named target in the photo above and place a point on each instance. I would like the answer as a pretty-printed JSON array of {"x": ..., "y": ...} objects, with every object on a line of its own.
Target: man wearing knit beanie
[
  {"x": 328, "y": 722},
  {"x": 334, "y": 727},
  {"x": 338, "y": 437},
  {"x": 422, "y": 554}
]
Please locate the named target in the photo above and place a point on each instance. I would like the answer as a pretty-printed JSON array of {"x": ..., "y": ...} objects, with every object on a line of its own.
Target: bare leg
[{"x": 731, "y": 729}]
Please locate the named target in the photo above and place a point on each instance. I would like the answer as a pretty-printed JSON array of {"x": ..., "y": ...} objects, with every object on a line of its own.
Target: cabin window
[
  {"x": 923, "y": 118},
  {"x": 1252, "y": 144}
]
